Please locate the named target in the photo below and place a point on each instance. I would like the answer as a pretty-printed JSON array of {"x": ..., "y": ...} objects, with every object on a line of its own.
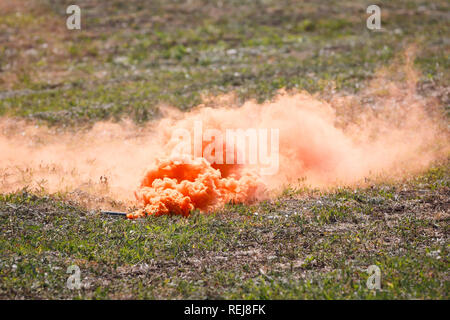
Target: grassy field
[{"x": 133, "y": 56}]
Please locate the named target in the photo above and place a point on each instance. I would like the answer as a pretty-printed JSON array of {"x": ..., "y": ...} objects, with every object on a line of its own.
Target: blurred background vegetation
[{"x": 131, "y": 56}]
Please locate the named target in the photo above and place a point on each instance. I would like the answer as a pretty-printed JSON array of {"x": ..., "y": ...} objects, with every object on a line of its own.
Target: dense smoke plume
[{"x": 344, "y": 141}]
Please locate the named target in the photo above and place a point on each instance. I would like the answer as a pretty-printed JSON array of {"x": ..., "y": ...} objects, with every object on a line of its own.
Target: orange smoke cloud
[
  {"x": 174, "y": 187},
  {"x": 325, "y": 144}
]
